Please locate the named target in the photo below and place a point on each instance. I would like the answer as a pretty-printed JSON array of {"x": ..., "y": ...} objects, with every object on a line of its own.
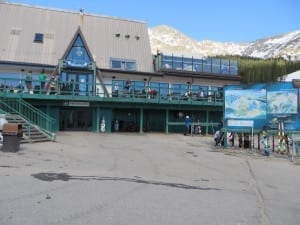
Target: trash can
[
  {"x": 12, "y": 133},
  {"x": 2, "y": 122}
]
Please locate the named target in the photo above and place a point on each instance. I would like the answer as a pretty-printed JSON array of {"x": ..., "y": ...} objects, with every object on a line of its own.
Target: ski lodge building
[{"x": 73, "y": 71}]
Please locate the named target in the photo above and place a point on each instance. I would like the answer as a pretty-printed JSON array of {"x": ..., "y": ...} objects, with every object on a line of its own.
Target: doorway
[
  {"x": 75, "y": 83},
  {"x": 75, "y": 119}
]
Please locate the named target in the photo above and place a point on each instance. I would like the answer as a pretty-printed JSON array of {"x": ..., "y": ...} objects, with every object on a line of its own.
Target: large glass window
[
  {"x": 130, "y": 66},
  {"x": 216, "y": 66},
  {"x": 233, "y": 68},
  {"x": 163, "y": 88},
  {"x": 167, "y": 62},
  {"x": 197, "y": 65},
  {"x": 123, "y": 64},
  {"x": 77, "y": 84},
  {"x": 206, "y": 65},
  {"x": 78, "y": 56},
  {"x": 116, "y": 64},
  {"x": 177, "y": 63},
  {"x": 187, "y": 64}
]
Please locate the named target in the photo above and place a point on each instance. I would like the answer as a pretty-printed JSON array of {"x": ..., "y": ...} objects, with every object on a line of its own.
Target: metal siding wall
[
  {"x": 100, "y": 35},
  {"x": 99, "y": 32}
]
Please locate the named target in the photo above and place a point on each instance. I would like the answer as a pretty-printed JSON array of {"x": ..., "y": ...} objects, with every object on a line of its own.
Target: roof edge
[{"x": 70, "y": 11}]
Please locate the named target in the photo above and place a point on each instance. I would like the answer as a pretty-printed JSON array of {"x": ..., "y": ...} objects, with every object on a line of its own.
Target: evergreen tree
[{"x": 254, "y": 70}]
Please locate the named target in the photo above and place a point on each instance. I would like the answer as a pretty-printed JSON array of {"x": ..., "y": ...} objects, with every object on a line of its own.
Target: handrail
[
  {"x": 30, "y": 113},
  {"x": 140, "y": 91}
]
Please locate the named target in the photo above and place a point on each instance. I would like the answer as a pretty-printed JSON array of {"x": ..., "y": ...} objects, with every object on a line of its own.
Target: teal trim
[
  {"x": 167, "y": 121},
  {"x": 141, "y": 119},
  {"x": 207, "y": 119},
  {"x": 206, "y": 125},
  {"x": 91, "y": 91},
  {"x": 97, "y": 120},
  {"x": 130, "y": 109},
  {"x": 54, "y": 113}
]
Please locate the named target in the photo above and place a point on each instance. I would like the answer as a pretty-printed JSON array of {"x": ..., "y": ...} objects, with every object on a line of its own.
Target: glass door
[
  {"x": 77, "y": 83},
  {"x": 72, "y": 119},
  {"x": 82, "y": 83}
]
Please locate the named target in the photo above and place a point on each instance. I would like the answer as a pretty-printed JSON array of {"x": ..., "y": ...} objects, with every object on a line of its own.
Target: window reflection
[
  {"x": 78, "y": 56},
  {"x": 206, "y": 65}
]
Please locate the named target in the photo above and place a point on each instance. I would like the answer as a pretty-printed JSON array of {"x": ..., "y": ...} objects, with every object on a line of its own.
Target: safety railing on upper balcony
[
  {"x": 122, "y": 90},
  {"x": 208, "y": 65}
]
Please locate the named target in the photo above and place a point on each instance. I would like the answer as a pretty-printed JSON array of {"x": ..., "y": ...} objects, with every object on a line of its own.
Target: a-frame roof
[
  {"x": 106, "y": 37},
  {"x": 78, "y": 32}
]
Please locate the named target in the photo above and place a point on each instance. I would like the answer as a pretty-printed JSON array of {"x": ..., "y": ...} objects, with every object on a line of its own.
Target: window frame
[
  {"x": 125, "y": 64},
  {"x": 38, "y": 38}
]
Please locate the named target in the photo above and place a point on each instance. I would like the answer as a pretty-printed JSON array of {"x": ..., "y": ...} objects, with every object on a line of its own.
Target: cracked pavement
[{"x": 123, "y": 178}]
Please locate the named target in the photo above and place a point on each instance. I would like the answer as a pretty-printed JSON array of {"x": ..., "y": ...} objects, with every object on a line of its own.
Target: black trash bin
[{"x": 12, "y": 134}]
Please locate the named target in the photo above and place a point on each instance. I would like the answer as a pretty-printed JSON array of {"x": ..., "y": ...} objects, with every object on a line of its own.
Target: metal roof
[{"x": 106, "y": 37}]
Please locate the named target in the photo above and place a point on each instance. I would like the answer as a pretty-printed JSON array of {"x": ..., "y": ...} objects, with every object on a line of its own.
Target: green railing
[
  {"x": 138, "y": 91},
  {"x": 30, "y": 113}
]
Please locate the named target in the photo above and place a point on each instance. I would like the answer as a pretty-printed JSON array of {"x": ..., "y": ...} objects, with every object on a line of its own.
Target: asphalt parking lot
[{"x": 149, "y": 179}]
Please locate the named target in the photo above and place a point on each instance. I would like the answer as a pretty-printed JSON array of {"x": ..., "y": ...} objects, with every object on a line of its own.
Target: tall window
[{"x": 78, "y": 56}]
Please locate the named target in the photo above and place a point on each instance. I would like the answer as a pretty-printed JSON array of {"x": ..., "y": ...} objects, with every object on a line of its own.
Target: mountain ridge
[{"x": 169, "y": 40}]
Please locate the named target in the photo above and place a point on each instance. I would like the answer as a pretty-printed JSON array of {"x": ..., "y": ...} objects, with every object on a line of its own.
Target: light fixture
[
  {"x": 127, "y": 36},
  {"x": 180, "y": 114},
  {"x": 137, "y": 37},
  {"x": 117, "y": 35}
]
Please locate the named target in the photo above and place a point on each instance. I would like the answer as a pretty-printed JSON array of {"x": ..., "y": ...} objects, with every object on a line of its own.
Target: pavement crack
[{"x": 259, "y": 197}]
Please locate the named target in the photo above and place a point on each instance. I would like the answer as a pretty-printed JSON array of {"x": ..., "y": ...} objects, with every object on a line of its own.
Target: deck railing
[{"x": 55, "y": 89}]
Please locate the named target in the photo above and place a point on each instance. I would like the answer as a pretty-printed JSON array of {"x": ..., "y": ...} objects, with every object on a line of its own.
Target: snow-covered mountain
[{"x": 171, "y": 41}]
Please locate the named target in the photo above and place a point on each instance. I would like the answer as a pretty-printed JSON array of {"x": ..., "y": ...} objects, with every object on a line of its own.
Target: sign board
[
  {"x": 77, "y": 104},
  {"x": 266, "y": 104},
  {"x": 240, "y": 123}
]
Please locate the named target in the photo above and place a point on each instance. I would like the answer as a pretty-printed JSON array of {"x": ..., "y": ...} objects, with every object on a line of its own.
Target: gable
[
  {"x": 78, "y": 54},
  {"x": 106, "y": 37}
]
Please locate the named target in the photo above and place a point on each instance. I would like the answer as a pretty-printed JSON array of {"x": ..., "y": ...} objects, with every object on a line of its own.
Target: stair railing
[{"x": 35, "y": 116}]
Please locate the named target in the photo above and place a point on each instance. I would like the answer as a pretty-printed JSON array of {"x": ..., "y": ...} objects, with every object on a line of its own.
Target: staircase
[
  {"x": 36, "y": 125},
  {"x": 31, "y": 132}
]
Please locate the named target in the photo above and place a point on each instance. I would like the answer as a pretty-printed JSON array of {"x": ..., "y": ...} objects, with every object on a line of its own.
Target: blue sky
[{"x": 230, "y": 20}]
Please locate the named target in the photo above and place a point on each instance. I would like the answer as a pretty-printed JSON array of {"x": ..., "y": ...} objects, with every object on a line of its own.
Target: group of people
[{"x": 45, "y": 85}]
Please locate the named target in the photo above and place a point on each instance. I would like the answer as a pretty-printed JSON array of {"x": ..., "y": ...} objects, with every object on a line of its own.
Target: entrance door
[
  {"x": 75, "y": 119},
  {"x": 80, "y": 83}
]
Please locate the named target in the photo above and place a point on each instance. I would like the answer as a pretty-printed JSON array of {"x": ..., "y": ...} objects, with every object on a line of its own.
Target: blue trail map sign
[{"x": 264, "y": 104}]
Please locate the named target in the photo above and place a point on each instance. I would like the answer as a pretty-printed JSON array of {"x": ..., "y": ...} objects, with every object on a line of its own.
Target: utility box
[{"x": 12, "y": 133}]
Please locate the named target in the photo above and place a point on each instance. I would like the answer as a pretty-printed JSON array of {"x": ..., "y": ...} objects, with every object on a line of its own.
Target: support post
[
  {"x": 207, "y": 119},
  {"x": 141, "y": 119},
  {"x": 97, "y": 119},
  {"x": 167, "y": 121}
]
